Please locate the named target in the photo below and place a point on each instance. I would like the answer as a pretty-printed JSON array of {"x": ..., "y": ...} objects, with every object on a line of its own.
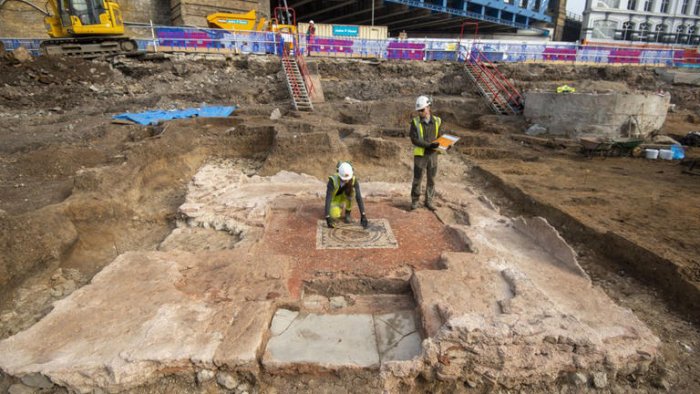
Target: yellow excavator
[
  {"x": 283, "y": 22},
  {"x": 84, "y": 28},
  {"x": 93, "y": 28}
]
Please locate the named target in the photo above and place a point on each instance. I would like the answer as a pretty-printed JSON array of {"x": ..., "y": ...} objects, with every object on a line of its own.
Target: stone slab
[
  {"x": 515, "y": 313},
  {"x": 397, "y": 336},
  {"x": 328, "y": 341},
  {"x": 222, "y": 197},
  {"x": 146, "y": 315}
]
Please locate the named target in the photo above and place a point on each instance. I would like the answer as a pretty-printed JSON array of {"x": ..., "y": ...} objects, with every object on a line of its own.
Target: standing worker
[
  {"x": 310, "y": 33},
  {"x": 425, "y": 128},
  {"x": 342, "y": 187}
]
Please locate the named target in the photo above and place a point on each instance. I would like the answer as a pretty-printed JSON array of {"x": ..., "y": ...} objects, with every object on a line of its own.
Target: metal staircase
[
  {"x": 500, "y": 95},
  {"x": 298, "y": 80}
]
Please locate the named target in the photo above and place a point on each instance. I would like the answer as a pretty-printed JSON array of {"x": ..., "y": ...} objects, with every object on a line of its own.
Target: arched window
[
  {"x": 627, "y": 30},
  {"x": 661, "y": 30},
  {"x": 693, "y": 38},
  {"x": 604, "y": 29},
  {"x": 644, "y": 29}
]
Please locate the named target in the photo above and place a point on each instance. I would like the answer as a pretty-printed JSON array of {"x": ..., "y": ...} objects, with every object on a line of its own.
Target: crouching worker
[{"x": 341, "y": 189}]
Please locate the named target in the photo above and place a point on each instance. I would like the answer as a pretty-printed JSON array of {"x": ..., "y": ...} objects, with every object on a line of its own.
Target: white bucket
[
  {"x": 666, "y": 154},
  {"x": 651, "y": 153}
]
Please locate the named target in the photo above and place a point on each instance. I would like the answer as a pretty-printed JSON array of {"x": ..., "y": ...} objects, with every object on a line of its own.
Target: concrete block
[
  {"x": 608, "y": 115},
  {"x": 547, "y": 237}
]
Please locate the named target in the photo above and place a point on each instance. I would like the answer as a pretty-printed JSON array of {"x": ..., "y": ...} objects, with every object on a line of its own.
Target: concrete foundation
[{"x": 605, "y": 115}]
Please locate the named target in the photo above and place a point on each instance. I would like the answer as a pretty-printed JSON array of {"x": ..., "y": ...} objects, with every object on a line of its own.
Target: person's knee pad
[{"x": 336, "y": 211}]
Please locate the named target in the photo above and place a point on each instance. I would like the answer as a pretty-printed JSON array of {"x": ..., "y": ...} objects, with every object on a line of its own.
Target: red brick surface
[{"x": 421, "y": 237}]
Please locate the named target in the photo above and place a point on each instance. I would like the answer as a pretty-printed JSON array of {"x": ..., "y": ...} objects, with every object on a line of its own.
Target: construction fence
[{"x": 201, "y": 40}]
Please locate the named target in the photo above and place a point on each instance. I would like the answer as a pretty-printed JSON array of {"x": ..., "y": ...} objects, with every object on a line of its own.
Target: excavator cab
[
  {"x": 86, "y": 28},
  {"x": 74, "y": 18}
]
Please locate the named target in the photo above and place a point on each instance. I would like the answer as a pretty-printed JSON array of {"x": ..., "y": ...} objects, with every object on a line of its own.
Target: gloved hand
[
  {"x": 329, "y": 222},
  {"x": 364, "y": 221},
  {"x": 434, "y": 145},
  {"x": 348, "y": 216}
]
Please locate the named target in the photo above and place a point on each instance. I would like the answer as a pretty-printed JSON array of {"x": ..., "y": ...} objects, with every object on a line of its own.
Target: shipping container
[{"x": 350, "y": 32}]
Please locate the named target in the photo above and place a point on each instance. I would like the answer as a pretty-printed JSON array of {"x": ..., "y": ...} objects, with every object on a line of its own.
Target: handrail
[
  {"x": 480, "y": 76},
  {"x": 305, "y": 74},
  {"x": 301, "y": 63},
  {"x": 498, "y": 73},
  {"x": 495, "y": 77}
]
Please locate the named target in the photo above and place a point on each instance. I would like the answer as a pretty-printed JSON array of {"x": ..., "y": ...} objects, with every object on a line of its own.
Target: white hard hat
[
  {"x": 345, "y": 171},
  {"x": 311, "y": 21},
  {"x": 422, "y": 102}
]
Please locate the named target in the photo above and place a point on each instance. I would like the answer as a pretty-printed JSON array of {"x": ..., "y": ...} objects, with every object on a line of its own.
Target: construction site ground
[{"x": 78, "y": 191}]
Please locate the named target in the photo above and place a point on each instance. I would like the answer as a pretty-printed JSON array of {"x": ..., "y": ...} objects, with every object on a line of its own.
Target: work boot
[
  {"x": 414, "y": 205},
  {"x": 348, "y": 216},
  {"x": 430, "y": 206}
]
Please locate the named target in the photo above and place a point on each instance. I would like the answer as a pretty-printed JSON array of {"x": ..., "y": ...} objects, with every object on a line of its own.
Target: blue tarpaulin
[{"x": 153, "y": 117}]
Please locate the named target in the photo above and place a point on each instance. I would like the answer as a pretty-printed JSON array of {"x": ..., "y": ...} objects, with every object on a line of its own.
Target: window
[
  {"x": 632, "y": 4},
  {"x": 684, "y": 7},
  {"x": 697, "y": 8},
  {"x": 607, "y": 3},
  {"x": 661, "y": 30},
  {"x": 644, "y": 31},
  {"x": 649, "y": 5},
  {"x": 604, "y": 29},
  {"x": 627, "y": 29},
  {"x": 664, "y": 6}
]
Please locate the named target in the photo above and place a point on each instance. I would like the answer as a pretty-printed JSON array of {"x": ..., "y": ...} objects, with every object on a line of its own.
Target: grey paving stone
[
  {"x": 327, "y": 340},
  {"x": 281, "y": 321},
  {"x": 397, "y": 337}
]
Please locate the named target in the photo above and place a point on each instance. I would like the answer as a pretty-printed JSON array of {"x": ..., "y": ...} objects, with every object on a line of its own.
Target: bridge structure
[{"x": 427, "y": 16}]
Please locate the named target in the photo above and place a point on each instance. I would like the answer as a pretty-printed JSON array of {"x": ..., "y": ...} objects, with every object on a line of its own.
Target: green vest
[
  {"x": 336, "y": 183},
  {"x": 417, "y": 150}
]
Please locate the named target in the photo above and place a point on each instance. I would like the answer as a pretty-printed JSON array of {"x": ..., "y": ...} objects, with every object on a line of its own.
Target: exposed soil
[{"x": 77, "y": 190}]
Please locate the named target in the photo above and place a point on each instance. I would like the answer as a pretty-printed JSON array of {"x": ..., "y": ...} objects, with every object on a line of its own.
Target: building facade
[{"x": 650, "y": 21}]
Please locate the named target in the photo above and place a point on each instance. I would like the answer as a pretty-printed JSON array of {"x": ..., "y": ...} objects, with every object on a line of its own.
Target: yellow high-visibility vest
[
  {"x": 336, "y": 183},
  {"x": 420, "y": 151}
]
